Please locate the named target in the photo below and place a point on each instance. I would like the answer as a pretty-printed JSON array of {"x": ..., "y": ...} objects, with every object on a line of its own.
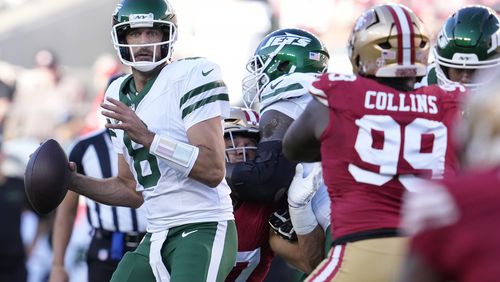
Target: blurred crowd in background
[{"x": 51, "y": 89}]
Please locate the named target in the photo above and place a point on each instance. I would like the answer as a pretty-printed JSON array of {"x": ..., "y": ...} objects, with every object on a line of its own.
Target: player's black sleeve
[{"x": 264, "y": 179}]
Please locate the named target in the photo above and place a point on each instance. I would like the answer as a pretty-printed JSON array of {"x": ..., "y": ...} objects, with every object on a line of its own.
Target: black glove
[{"x": 281, "y": 224}]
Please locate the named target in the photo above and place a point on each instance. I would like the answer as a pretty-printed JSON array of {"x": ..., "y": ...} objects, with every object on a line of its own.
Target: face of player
[
  {"x": 145, "y": 36},
  {"x": 240, "y": 149},
  {"x": 461, "y": 75}
]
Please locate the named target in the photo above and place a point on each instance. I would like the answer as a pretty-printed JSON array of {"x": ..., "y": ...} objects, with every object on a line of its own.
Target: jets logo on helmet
[
  {"x": 141, "y": 20},
  {"x": 442, "y": 39},
  {"x": 282, "y": 52},
  {"x": 288, "y": 38},
  {"x": 494, "y": 42}
]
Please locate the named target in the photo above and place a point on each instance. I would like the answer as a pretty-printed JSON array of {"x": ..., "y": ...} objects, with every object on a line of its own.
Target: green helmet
[
  {"x": 469, "y": 39},
  {"x": 281, "y": 52},
  {"x": 131, "y": 14}
]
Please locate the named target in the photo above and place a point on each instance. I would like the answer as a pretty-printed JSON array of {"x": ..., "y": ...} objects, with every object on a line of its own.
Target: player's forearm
[
  {"x": 287, "y": 250},
  {"x": 202, "y": 158},
  {"x": 302, "y": 139},
  {"x": 311, "y": 248},
  {"x": 113, "y": 191},
  {"x": 209, "y": 167}
]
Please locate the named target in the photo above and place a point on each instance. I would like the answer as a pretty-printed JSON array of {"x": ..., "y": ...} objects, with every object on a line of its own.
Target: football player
[
  {"x": 375, "y": 134},
  {"x": 165, "y": 121},
  {"x": 241, "y": 134},
  {"x": 302, "y": 236},
  {"x": 272, "y": 82},
  {"x": 280, "y": 58},
  {"x": 467, "y": 43},
  {"x": 454, "y": 222},
  {"x": 253, "y": 260}
]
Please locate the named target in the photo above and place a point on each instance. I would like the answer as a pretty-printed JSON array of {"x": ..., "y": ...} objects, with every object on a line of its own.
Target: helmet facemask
[
  {"x": 244, "y": 150},
  {"x": 258, "y": 78},
  {"x": 125, "y": 51},
  {"x": 244, "y": 123}
]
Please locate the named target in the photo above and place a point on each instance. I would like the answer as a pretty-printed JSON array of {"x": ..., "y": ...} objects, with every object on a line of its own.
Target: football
[{"x": 47, "y": 177}]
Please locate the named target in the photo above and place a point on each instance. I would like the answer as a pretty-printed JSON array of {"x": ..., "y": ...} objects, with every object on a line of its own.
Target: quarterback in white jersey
[
  {"x": 165, "y": 120},
  {"x": 185, "y": 93}
]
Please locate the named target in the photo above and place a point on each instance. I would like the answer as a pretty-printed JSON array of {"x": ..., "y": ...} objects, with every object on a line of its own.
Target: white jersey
[
  {"x": 287, "y": 95},
  {"x": 289, "y": 87},
  {"x": 185, "y": 93},
  {"x": 321, "y": 206}
]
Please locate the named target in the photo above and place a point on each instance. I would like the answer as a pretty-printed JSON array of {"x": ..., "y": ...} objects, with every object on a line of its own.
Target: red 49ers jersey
[
  {"x": 378, "y": 141},
  {"x": 254, "y": 253},
  {"x": 467, "y": 249}
]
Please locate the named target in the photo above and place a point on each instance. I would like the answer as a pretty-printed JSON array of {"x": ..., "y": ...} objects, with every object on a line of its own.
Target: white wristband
[
  {"x": 303, "y": 219},
  {"x": 179, "y": 155}
]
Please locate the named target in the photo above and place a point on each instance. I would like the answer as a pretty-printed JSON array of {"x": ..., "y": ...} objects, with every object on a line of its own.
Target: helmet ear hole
[
  {"x": 284, "y": 66},
  {"x": 385, "y": 45}
]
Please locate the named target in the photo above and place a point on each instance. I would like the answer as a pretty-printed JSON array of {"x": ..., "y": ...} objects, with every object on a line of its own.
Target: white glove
[
  {"x": 300, "y": 194},
  {"x": 302, "y": 189}
]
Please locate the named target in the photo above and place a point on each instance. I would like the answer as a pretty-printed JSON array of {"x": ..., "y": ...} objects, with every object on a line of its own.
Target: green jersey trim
[
  {"x": 291, "y": 87},
  {"x": 201, "y": 103},
  {"x": 432, "y": 77},
  {"x": 201, "y": 89},
  {"x": 111, "y": 132},
  {"x": 189, "y": 59},
  {"x": 129, "y": 95}
]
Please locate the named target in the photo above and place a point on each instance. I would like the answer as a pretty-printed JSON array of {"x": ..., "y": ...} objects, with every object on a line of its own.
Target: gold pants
[{"x": 373, "y": 260}]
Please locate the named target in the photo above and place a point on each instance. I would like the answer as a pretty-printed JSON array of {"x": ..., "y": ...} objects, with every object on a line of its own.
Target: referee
[{"x": 115, "y": 229}]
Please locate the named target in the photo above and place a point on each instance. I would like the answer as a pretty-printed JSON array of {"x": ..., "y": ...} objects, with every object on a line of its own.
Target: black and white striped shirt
[{"x": 94, "y": 156}]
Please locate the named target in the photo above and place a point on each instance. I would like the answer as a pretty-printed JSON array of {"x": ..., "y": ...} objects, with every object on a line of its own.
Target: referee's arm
[{"x": 63, "y": 228}]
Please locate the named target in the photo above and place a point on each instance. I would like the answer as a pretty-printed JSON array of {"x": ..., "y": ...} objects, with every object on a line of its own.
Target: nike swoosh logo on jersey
[
  {"x": 205, "y": 73},
  {"x": 184, "y": 234},
  {"x": 276, "y": 84}
]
